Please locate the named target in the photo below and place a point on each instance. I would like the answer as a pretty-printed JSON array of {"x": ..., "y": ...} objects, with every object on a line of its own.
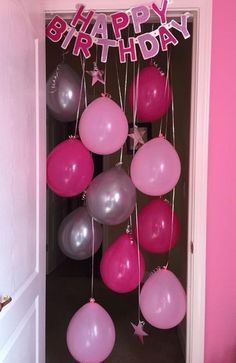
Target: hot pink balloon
[
  {"x": 103, "y": 126},
  {"x": 157, "y": 234},
  {"x": 163, "y": 300},
  {"x": 91, "y": 334},
  {"x": 69, "y": 168},
  {"x": 155, "y": 168},
  {"x": 154, "y": 94},
  {"x": 119, "y": 265}
]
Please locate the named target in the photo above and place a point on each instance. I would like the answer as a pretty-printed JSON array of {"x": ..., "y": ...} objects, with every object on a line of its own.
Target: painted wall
[{"x": 221, "y": 234}]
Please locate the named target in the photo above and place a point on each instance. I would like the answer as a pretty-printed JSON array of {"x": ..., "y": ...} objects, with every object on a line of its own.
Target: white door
[{"x": 22, "y": 181}]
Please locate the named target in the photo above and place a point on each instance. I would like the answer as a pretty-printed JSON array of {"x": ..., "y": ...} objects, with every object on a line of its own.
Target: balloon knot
[
  {"x": 129, "y": 229},
  {"x": 84, "y": 195},
  {"x": 107, "y": 95},
  {"x": 92, "y": 300},
  {"x": 155, "y": 270},
  {"x": 119, "y": 163},
  {"x": 73, "y": 137}
]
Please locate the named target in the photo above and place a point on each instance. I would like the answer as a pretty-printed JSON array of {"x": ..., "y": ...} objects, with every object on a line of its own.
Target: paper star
[
  {"x": 96, "y": 74},
  {"x": 138, "y": 330},
  {"x": 137, "y": 136}
]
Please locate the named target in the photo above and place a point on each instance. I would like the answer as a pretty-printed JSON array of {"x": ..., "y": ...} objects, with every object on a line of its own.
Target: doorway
[{"x": 68, "y": 281}]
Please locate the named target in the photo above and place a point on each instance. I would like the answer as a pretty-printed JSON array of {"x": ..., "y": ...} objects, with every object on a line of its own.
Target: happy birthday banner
[{"x": 149, "y": 43}]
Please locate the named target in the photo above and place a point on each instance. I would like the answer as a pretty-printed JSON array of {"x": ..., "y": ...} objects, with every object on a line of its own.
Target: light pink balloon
[
  {"x": 155, "y": 168},
  {"x": 119, "y": 265},
  {"x": 163, "y": 300},
  {"x": 91, "y": 334},
  {"x": 69, "y": 168},
  {"x": 103, "y": 126}
]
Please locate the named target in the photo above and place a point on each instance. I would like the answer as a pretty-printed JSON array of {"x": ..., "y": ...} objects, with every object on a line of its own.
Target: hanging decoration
[
  {"x": 69, "y": 168},
  {"x": 63, "y": 92},
  {"x": 91, "y": 333},
  {"x": 154, "y": 94},
  {"x": 155, "y": 168},
  {"x": 75, "y": 235},
  {"x": 96, "y": 74},
  {"x": 137, "y": 136},
  {"x": 111, "y": 196},
  {"x": 149, "y": 44},
  {"x": 103, "y": 126},
  {"x": 138, "y": 330},
  {"x": 158, "y": 229},
  {"x": 119, "y": 264},
  {"x": 163, "y": 299}
]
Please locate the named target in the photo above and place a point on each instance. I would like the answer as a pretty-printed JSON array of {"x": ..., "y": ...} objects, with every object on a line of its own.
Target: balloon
[
  {"x": 154, "y": 94},
  {"x": 111, "y": 196},
  {"x": 69, "y": 168},
  {"x": 103, "y": 126},
  {"x": 119, "y": 265},
  {"x": 63, "y": 93},
  {"x": 155, "y": 168},
  {"x": 91, "y": 334},
  {"x": 75, "y": 235},
  {"x": 155, "y": 231},
  {"x": 163, "y": 300}
]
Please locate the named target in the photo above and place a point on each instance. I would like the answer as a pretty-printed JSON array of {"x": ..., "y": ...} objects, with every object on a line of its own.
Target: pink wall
[{"x": 221, "y": 236}]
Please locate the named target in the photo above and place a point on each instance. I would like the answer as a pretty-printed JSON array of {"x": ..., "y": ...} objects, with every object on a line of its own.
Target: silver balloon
[
  {"x": 75, "y": 235},
  {"x": 63, "y": 93},
  {"x": 111, "y": 196}
]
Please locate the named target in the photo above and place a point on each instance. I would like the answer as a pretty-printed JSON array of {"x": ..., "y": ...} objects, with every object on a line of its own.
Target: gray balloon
[
  {"x": 111, "y": 196},
  {"x": 63, "y": 93},
  {"x": 75, "y": 235}
]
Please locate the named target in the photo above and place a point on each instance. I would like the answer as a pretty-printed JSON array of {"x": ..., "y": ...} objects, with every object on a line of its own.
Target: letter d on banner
[{"x": 145, "y": 39}]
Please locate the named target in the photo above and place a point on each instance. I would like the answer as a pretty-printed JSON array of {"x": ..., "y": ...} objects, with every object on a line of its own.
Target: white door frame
[{"x": 200, "y": 95}]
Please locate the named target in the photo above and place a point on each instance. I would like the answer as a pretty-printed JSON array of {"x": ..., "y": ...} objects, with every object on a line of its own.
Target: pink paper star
[
  {"x": 96, "y": 74},
  {"x": 138, "y": 330},
  {"x": 137, "y": 136}
]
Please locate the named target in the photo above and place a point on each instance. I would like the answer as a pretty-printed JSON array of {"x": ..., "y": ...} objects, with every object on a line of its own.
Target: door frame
[{"x": 201, "y": 10}]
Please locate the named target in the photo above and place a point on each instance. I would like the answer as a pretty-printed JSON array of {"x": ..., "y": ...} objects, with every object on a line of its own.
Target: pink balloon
[
  {"x": 91, "y": 334},
  {"x": 119, "y": 265},
  {"x": 103, "y": 126},
  {"x": 154, "y": 94},
  {"x": 155, "y": 168},
  {"x": 69, "y": 168},
  {"x": 156, "y": 233},
  {"x": 163, "y": 300}
]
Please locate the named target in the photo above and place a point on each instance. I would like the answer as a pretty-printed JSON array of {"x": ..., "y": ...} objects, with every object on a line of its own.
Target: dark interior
[{"x": 68, "y": 281}]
